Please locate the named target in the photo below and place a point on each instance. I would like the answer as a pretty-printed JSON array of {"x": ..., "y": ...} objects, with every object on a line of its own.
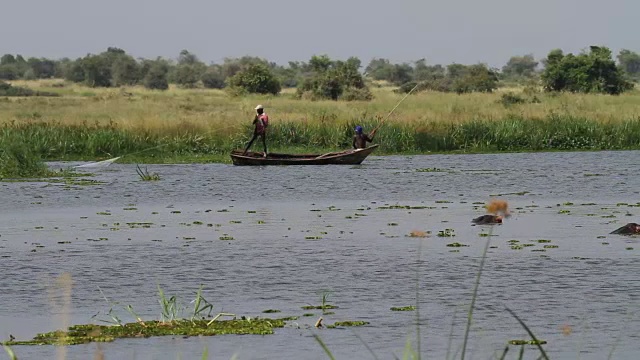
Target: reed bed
[{"x": 86, "y": 123}]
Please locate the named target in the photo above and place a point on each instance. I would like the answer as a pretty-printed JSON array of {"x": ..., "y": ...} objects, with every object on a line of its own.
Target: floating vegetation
[
  {"x": 145, "y": 175},
  {"x": 456, "y": 244},
  {"x": 629, "y": 248},
  {"x": 251, "y": 211},
  {"x": 527, "y": 342},
  {"x": 564, "y": 211},
  {"x": 318, "y": 307},
  {"x": 83, "y": 334},
  {"x": 176, "y": 212},
  {"x": 226, "y": 237},
  {"x": 313, "y": 237},
  {"x": 235, "y": 222},
  {"x": 517, "y": 247},
  {"x": 347, "y": 323},
  {"x": 521, "y": 193},
  {"x": 308, "y": 314},
  {"x": 550, "y": 246},
  {"x": 446, "y": 233},
  {"x": 392, "y": 224},
  {"x": 443, "y": 202},
  {"x": 543, "y": 241},
  {"x": 103, "y": 213},
  {"x": 403, "y": 207},
  {"x": 270, "y": 311},
  {"x": 403, "y": 308},
  {"x": 433, "y": 170}
]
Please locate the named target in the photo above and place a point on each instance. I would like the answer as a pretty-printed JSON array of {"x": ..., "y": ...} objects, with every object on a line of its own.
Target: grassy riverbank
[{"x": 205, "y": 125}]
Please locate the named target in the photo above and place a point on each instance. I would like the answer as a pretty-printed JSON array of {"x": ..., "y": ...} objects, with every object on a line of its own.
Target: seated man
[{"x": 360, "y": 139}]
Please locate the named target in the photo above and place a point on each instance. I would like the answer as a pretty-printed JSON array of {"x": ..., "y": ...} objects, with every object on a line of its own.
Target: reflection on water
[{"x": 300, "y": 230}]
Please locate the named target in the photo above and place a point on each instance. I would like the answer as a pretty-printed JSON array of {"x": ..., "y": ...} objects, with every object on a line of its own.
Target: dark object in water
[
  {"x": 348, "y": 157},
  {"x": 487, "y": 219},
  {"x": 629, "y": 229}
]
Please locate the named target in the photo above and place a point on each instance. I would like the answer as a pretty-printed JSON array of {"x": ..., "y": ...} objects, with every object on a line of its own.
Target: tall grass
[{"x": 94, "y": 123}]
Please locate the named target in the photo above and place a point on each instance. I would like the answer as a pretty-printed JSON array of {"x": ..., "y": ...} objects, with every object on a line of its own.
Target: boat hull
[{"x": 349, "y": 157}]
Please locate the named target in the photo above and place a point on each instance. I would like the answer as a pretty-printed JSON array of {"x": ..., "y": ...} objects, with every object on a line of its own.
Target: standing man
[{"x": 260, "y": 122}]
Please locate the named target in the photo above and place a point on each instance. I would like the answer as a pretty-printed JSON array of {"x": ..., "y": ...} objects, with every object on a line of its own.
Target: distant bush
[
  {"x": 334, "y": 80},
  {"x": 156, "y": 77},
  {"x": 355, "y": 94},
  {"x": 9, "y": 90},
  {"x": 213, "y": 79},
  {"x": 256, "y": 79},
  {"x": 511, "y": 99},
  {"x": 458, "y": 78}
]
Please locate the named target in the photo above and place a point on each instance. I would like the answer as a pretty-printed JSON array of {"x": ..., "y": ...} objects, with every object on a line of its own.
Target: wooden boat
[{"x": 348, "y": 157}]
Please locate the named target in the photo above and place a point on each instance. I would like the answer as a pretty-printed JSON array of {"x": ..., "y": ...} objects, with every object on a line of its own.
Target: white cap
[{"x": 259, "y": 107}]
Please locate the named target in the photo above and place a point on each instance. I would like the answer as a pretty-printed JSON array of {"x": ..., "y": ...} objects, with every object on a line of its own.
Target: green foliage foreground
[
  {"x": 55, "y": 141},
  {"x": 17, "y": 160}
]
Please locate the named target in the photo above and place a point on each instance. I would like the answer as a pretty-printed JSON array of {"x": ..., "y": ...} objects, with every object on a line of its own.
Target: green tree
[
  {"x": 156, "y": 76},
  {"x": 7, "y": 59},
  {"x": 188, "y": 71},
  {"x": 74, "y": 71},
  {"x": 630, "y": 62},
  {"x": 592, "y": 72},
  {"x": 520, "y": 67},
  {"x": 257, "y": 79},
  {"x": 125, "y": 71},
  {"x": 333, "y": 79},
  {"x": 213, "y": 78},
  {"x": 42, "y": 68},
  {"x": 9, "y": 71},
  {"x": 97, "y": 71}
]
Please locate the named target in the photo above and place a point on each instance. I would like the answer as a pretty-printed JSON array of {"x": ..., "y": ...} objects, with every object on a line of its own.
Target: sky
[{"x": 441, "y": 31}]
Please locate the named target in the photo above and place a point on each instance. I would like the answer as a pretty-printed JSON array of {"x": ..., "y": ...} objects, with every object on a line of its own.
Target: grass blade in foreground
[
  {"x": 475, "y": 295},
  {"x": 366, "y": 345},
  {"x": 10, "y": 352},
  {"x": 537, "y": 342},
  {"x": 324, "y": 347}
]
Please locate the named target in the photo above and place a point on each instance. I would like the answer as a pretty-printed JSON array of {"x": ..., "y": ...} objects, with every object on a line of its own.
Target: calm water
[{"x": 300, "y": 230}]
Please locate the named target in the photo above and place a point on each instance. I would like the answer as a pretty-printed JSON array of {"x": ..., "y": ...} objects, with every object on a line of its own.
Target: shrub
[
  {"x": 256, "y": 79},
  {"x": 213, "y": 79},
  {"x": 593, "y": 72},
  {"x": 19, "y": 161},
  {"x": 510, "y": 98},
  {"x": 9, "y": 90},
  {"x": 156, "y": 77},
  {"x": 334, "y": 80}
]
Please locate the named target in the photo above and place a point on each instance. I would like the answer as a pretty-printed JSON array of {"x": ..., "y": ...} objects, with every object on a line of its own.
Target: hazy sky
[{"x": 442, "y": 31}]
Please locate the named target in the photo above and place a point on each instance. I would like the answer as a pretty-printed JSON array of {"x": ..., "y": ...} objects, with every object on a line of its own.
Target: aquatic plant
[
  {"x": 18, "y": 160},
  {"x": 145, "y": 175},
  {"x": 403, "y": 308}
]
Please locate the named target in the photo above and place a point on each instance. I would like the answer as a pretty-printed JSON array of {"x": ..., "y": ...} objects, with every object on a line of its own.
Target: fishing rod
[{"x": 395, "y": 107}]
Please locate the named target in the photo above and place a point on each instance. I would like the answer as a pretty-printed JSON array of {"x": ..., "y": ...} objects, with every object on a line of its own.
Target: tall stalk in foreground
[
  {"x": 418, "y": 343},
  {"x": 475, "y": 294}
]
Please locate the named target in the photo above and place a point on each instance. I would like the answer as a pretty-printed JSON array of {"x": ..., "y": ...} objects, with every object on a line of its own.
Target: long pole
[{"x": 395, "y": 107}]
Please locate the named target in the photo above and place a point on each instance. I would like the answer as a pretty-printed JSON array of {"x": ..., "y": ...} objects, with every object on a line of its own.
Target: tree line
[{"x": 592, "y": 71}]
